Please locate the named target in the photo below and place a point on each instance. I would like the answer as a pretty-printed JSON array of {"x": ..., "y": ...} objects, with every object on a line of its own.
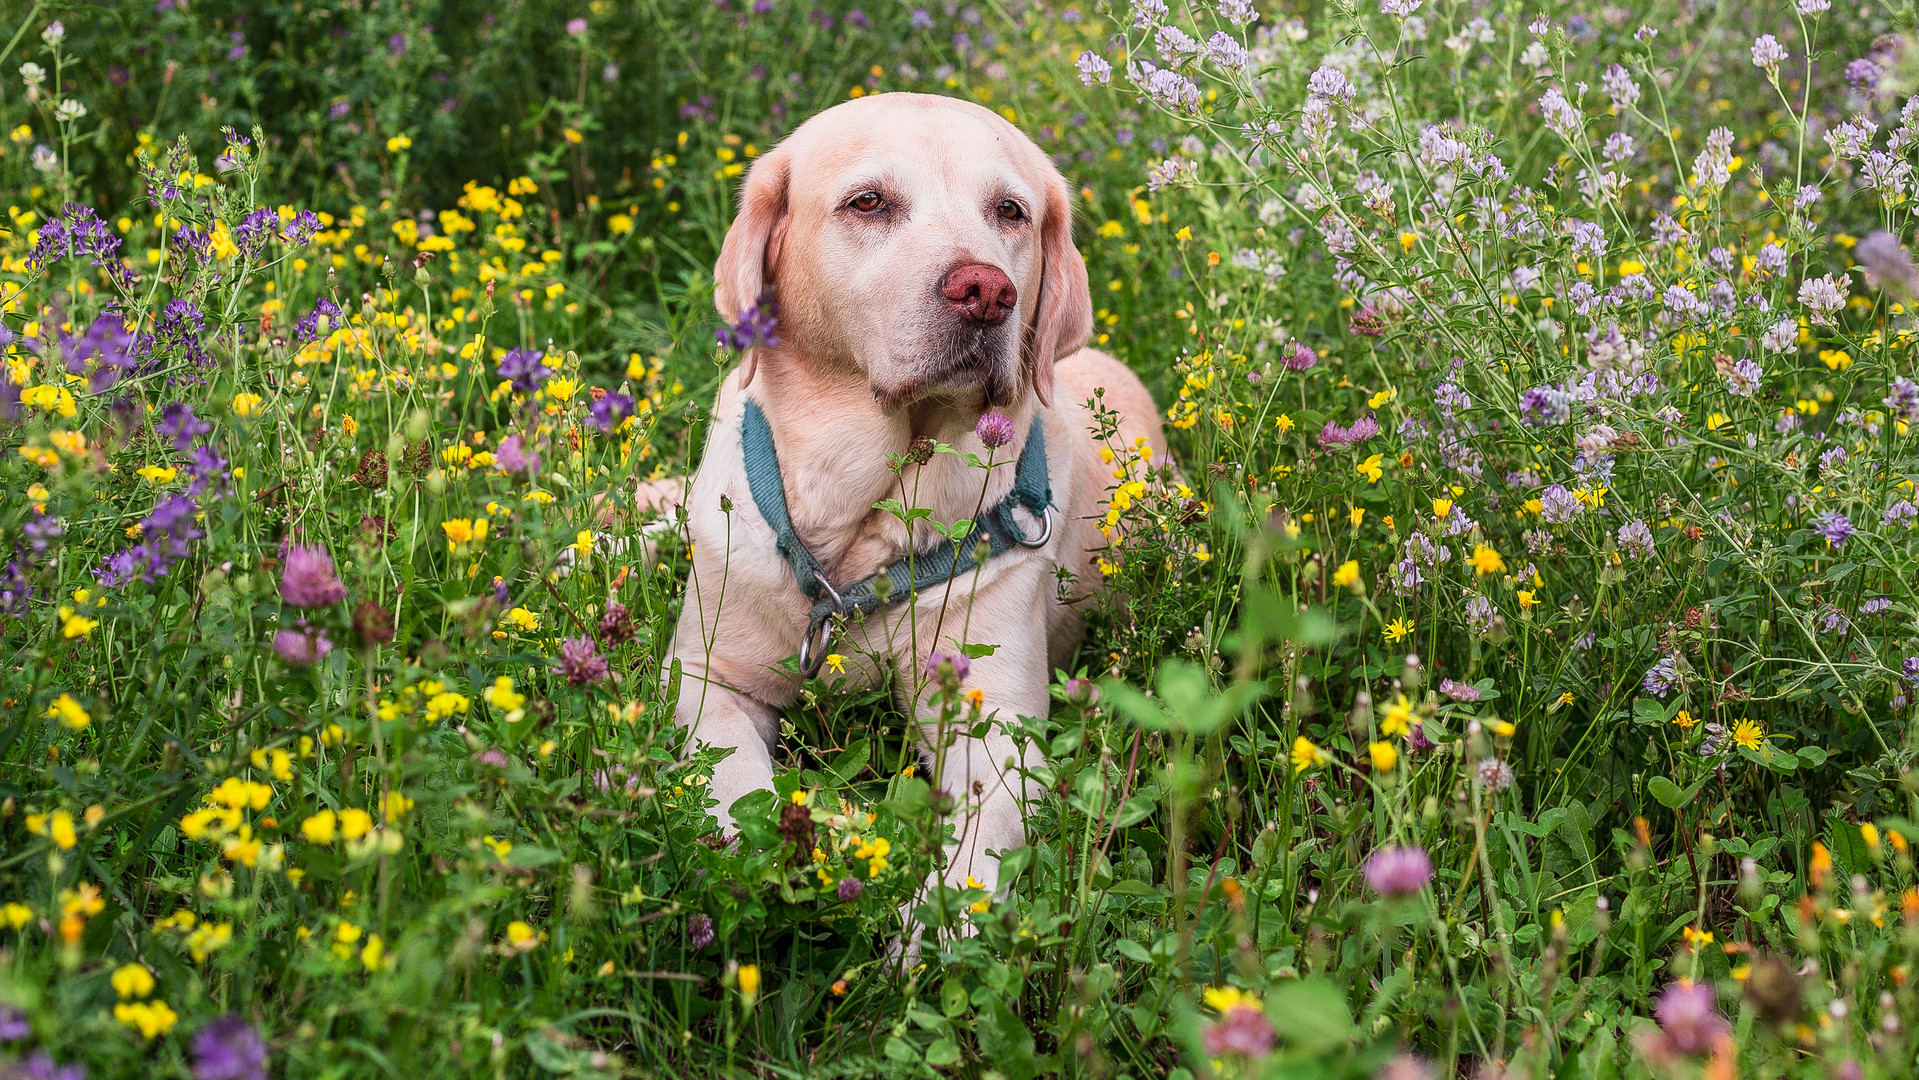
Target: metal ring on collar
[
  {"x": 811, "y": 657},
  {"x": 1046, "y": 530}
]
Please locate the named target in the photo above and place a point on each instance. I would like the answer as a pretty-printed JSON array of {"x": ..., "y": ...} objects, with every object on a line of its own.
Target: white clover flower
[
  {"x": 33, "y": 75},
  {"x": 45, "y": 159},
  {"x": 68, "y": 111},
  {"x": 1536, "y": 57},
  {"x": 1399, "y": 9},
  {"x": 1814, "y": 7}
]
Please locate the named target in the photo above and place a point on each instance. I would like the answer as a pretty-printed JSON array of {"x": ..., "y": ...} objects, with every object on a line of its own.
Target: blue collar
[{"x": 994, "y": 533}]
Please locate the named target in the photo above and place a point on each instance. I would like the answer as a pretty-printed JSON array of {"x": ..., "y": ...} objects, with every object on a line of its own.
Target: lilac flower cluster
[
  {"x": 167, "y": 535},
  {"x": 76, "y": 232},
  {"x": 307, "y": 328},
  {"x": 525, "y": 369}
]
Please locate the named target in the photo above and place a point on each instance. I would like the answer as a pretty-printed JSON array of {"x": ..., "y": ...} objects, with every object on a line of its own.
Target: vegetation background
[{"x": 1531, "y": 652}]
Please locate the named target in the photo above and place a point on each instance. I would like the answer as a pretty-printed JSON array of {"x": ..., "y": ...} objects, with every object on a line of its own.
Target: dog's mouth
[{"x": 968, "y": 363}]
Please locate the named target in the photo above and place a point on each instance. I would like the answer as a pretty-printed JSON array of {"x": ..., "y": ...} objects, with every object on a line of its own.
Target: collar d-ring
[{"x": 1045, "y": 533}]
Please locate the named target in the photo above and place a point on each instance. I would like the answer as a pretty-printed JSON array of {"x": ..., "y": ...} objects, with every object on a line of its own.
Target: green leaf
[
  {"x": 1666, "y": 792},
  {"x": 848, "y": 763},
  {"x": 1004, "y": 1041},
  {"x": 1310, "y": 1013},
  {"x": 531, "y": 855},
  {"x": 943, "y": 1053}
]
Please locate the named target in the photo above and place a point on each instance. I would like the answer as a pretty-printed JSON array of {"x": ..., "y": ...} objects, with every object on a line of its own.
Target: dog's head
[{"x": 920, "y": 241}]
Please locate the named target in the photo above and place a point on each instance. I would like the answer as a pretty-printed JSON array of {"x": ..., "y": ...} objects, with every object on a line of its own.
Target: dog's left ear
[
  {"x": 751, "y": 252},
  {"x": 1065, "y": 317}
]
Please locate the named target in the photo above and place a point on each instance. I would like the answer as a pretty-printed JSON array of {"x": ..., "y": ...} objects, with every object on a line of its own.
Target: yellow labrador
[{"x": 920, "y": 253}]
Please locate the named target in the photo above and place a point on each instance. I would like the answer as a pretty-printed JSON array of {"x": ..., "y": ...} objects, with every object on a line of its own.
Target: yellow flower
[
  {"x": 1526, "y": 598},
  {"x": 1487, "y": 561},
  {"x": 1379, "y": 399},
  {"x": 1748, "y": 734},
  {"x": 1397, "y": 629},
  {"x": 1227, "y": 998},
  {"x": 1371, "y": 470},
  {"x": 1399, "y": 717},
  {"x": 321, "y": 827},
  {"x": 157, "y": 474},
  {"x": 502, "y": 696},
  {"x": 562, "y": 388},
  {"x": 1347, "y": 575},
  {"x": 463, "y": 531},
  {"x": 16, "y": 915},
  {"x": 151, "y": 1019},
  {"x": 1358, "y": 514},
  {"x": 57, "y": 827},
  {"x": 373, "y": 956},
  {"x": 836, "y": 663},
  {"x": 1306, "y": 754},
  {"x": 1870, "y": 834},
  {"x": 355, "y": 823},
  {"x": 395, "y": 805},
  {"x": 69, "y": 712},
  {"x": 1685, "y": 720},
  {"x": 133, "y": 981},
  {"x": 398, "y": 143},
  {"x": 245, "y": 405},
  {"x": 620, "y": 223},
  {"x": 1442, "y": 508},
  {"x": 1384, "y": 756},
  {"x": 523, "y": 620},
  {"x": 521, "y": 936},
  {"x": 750, "y": 982}
]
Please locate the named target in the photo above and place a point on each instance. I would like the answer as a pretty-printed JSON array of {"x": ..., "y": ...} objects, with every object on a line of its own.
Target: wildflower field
[{"x": 1516, "y": 677}]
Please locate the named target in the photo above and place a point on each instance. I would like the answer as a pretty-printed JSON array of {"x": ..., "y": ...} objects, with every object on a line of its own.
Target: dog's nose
[{"x": 980, "y": 293}]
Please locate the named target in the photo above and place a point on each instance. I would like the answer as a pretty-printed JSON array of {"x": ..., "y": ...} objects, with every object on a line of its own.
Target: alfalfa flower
[{"x": 230, "y": 1049}]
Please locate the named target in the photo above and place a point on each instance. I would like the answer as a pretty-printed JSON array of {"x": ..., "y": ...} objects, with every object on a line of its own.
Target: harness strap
[{"x": 995, "y": 527}]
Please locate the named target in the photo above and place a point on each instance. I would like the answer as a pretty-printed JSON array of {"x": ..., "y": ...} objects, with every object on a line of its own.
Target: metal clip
[
  {"x": 812, "y": 656},
  {"x": 1046, "y": 530}
]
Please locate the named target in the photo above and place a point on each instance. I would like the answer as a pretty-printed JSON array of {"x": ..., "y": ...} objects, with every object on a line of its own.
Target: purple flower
[
  {"x": 307, "y": 329},
  {"x": 581, "y": 662},
  {"x": 576, "y": 27},
  {"x": 302, "y": 227},
  {"x": 1899, "y": 513},
  {"x": 756, "y": 326},
  {"x": 166, "y": 534},
  {"x": 1334, "y": 435},
  {"x": 1242, "y": 1030},
  {"x": 1744, "y": 377},
  {"x": 114, "y": 350},
  {"x": 1459, "y": 691},
  {"x": 1887, "y": 265},
  {"x": 229, "y": 1049},
  {"x": 254, "y": 231},
  {"x": 182, "y": 326},
  {"x": 1863, "y": 73},
  {"x": 308, "y": 579},
  {"x": 41, "y": 532},
  {"x": 1661, "y": 677},
  {"x": 1688, "y": 1015},
  {"x": 525, "y": 368},
  {"x": 994, "y": 430},
  {"x": 77, "y": 231},
  {"x": 1835, "y": 527},
  {"x": 851, "y": 888},
  {"x": 1367, "y": 323},
  {"x": 512, "y": 456},
  {"x": 1544, "y": 405},
  {"x": 1093, "y": 68},
  {"x": 1874, "y": 606},
  {"x": 1557, "y": 505},
  {"x": 616, "y": 625},
  {"x": 1298, "y": 357},
  {"x": 1495, "y": 774},
  {"x": 1636, "y": 537},
  {"x": 699, "y": 930},
  {"x": 1398, "y": 872},
  {"x": 302, "y": 645},
  {"x": 40, "y": 1066},
  {"x": 396, "y": 45},
  {"x": 208, "y": 470},
  {"x": 609, "y": 410},
  {"x": 13, "y": 1024},
  {"x": 961, "y": 665}
]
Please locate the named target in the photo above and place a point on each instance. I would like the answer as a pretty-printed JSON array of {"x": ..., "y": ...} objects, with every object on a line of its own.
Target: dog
[{"x": 920, "y": 253}]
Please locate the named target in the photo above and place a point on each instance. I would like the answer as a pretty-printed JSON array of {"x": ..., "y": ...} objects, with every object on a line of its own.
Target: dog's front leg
[{"x": 721, "y": 716}]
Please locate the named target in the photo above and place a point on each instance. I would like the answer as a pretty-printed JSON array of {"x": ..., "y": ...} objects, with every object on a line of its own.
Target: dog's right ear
[{"x": 752, "y": 248}]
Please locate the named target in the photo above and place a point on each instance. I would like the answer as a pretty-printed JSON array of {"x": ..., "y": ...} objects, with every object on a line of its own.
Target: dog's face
[{"x": 920, "y": 243}]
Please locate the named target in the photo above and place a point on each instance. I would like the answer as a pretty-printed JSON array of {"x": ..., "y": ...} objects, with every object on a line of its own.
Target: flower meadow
[{"x": 1514, "y": 675}]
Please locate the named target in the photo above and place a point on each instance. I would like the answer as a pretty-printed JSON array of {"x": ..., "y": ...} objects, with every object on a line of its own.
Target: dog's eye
[
  {"x": 1011, "y": 211},
  {"x": 867, "y": 201}
]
